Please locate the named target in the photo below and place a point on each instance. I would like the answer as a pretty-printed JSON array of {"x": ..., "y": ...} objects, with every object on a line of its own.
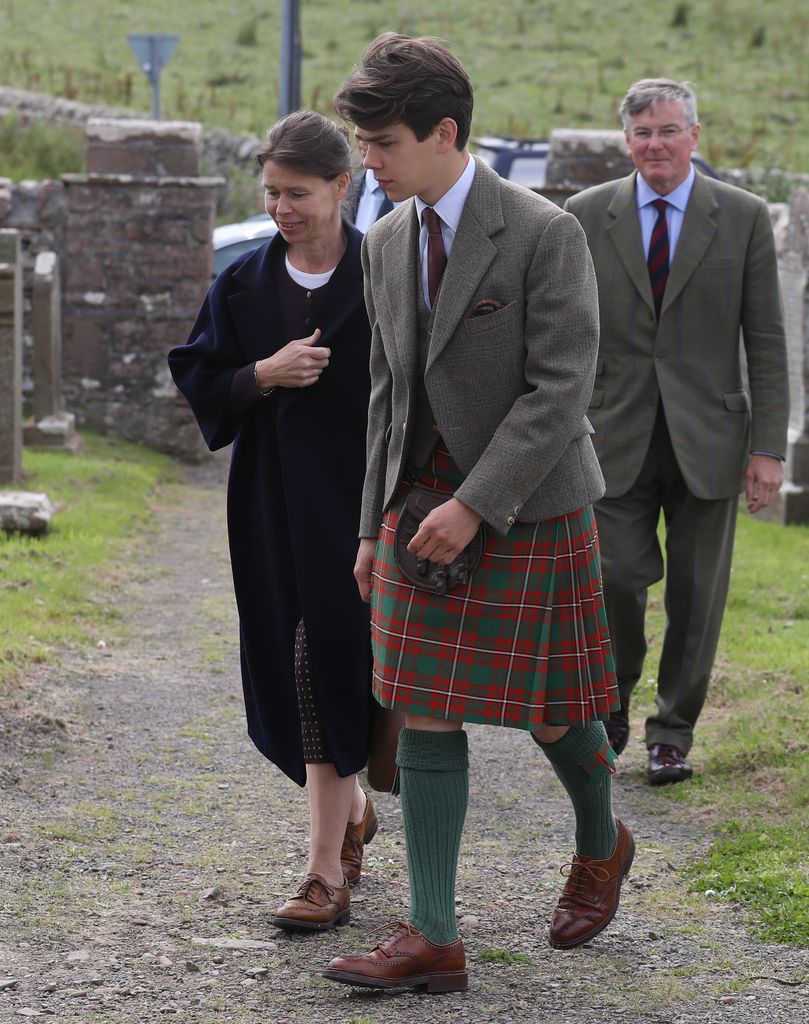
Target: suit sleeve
[
  {"x": 379, "y": 417},
  {"x": 561, "y": 346},
  {"x": 764, "y": 341},
  {"x": 204, "y": 369}
]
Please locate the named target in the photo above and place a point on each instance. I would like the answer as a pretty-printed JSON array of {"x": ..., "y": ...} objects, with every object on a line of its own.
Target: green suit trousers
[{"x": 699, "y": 546}]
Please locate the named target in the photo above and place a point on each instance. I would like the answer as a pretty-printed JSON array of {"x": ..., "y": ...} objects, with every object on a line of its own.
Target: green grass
[
  {"x": 52, "y": 589},
  {"x": 763, "y": 867},
  {"x": 39, "y": 150},
  {"x": 752, "y": 743},
  {"x": 535, "y": 65}
]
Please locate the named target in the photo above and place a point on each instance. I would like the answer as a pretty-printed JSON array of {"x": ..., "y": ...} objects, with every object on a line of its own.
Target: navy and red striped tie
[{"x": 658, "y": 261}]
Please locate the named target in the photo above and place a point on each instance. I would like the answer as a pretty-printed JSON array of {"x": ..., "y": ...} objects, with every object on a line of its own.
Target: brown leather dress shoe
[
  {"x": 315, "y": 907},
  {"x": 667, "y": 764},
  {"x": 358, "y": 835},
  {"x": 591, "y": 894},
  {"x": 405, "y": 959}
]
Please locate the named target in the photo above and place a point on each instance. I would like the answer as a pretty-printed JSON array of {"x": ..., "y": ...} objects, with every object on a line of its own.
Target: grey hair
[{"x": 650, "y": 91}]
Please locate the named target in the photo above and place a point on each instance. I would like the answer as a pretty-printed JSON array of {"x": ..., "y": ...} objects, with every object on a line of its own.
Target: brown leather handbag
[
  {"x": 382, "y": 745},
  {"x": 422, "y": 573}
]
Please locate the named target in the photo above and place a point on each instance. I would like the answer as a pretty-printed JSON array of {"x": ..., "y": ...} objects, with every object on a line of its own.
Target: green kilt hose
[{"x": 524, "y": 643}]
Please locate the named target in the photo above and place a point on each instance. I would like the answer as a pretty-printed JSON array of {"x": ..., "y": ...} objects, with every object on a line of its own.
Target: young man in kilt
[{"x": 484, "y": 311}]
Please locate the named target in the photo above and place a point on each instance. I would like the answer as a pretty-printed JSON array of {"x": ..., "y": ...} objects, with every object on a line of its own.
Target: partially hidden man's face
[{"x": 402, "y": 165}]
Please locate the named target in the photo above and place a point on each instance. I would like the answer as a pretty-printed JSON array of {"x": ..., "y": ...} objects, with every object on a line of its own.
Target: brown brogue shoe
[
  {"x": 358, "y": 835},
  {"x": 591, "y": 894},
  {"x": 404, "y": 959},
  {"x": 315, "y": 907},
  {"x": 667, "y": 764}
]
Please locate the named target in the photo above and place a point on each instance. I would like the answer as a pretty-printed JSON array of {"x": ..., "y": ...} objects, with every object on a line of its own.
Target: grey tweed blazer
[{"x": 510, "y": 389}]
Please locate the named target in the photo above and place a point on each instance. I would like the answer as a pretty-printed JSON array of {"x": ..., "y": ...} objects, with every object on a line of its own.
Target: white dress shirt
[
  {"x": 449, "y": 208},
  {"x": 675, "y": 211}
]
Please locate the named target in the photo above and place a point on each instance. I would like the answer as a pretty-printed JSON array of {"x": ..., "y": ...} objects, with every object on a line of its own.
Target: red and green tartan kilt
[{"x": 524, "y": 643}]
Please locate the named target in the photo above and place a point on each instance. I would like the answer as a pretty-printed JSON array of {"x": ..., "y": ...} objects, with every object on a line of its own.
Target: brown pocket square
[{"x": 486, "y": 306}]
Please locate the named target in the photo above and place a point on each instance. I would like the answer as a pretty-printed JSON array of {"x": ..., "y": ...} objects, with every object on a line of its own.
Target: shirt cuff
[{"x": 772, "y": 455}]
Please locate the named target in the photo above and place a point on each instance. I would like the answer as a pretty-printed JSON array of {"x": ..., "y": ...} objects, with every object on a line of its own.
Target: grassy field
[
  {"x": 52, "y": 588},
  {"x": 536, "y": 65},
  {"x": 753, "y": 739}
]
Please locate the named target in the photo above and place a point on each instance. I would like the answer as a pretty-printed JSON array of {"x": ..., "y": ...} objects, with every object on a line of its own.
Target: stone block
[
  {"x": 143, "y": 148},
  {"x": 25, "y": 512},
  {"x": 53, "y": 433}
]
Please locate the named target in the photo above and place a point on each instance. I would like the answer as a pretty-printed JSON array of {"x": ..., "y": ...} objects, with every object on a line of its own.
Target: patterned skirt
[{"x": 524, "y": 643}]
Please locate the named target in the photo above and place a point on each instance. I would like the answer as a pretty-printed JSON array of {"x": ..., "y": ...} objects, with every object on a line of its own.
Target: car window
[
  {"x": 227, "y": 254},
  {"x": 528, "y": 170}
]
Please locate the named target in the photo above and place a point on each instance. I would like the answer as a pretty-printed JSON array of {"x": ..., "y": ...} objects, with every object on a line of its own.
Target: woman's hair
[
  {"x": 416, "y": 82},
  {"x": 308, "y": 143}
]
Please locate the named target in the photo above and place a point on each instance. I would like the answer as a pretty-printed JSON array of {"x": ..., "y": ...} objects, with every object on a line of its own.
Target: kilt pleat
[{"x": 523, "y": 644}]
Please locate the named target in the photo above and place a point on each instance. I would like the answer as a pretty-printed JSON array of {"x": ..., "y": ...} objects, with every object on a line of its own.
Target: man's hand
[
  {"x": 445, "y": 532},
  {"x": 363, "y": 567},
  {"x": 297, "y": 365},
  {"x": 763, "y": 480}
]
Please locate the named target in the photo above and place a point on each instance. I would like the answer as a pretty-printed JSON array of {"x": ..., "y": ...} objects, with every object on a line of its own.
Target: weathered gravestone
[
  {"x": 50, "y": 427},
  {"x": 793, "y": 273},
  {"x": 10, "y": 357}
]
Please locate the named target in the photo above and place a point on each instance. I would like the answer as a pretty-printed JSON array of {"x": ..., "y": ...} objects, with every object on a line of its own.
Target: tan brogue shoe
[
  {"x": 315, "y": 907},
  {"x": 591, "y": 894},
  {"x": 358, "y": 835},
  {"x": 405, "y": 959}
]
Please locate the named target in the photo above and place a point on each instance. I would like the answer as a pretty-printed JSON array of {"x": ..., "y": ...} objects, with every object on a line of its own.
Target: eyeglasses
[{"x": 667, "y": 133}]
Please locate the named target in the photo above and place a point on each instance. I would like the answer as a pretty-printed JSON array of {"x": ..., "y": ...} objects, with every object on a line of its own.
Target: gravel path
[{"x": 143, "y": 840}]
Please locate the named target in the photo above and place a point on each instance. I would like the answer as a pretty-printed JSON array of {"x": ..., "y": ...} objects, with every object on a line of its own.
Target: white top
[
  {"x": 308, "y": 281},
  {"x": 449, "y": 208},
  {"x": 675, "y": 211}
]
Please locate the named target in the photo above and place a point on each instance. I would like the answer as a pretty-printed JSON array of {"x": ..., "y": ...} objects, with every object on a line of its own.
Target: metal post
[
  {"x": 290, "y": 92},
  {"x": 154, "y": 78}
]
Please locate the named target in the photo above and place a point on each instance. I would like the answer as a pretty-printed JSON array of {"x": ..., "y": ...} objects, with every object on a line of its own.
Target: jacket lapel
[
  {"x": 696, "y": 234},
  {"x": 471, "y": 255},
  {"x": 400, "y": 265},
  {"x": 624, "y": 232}
]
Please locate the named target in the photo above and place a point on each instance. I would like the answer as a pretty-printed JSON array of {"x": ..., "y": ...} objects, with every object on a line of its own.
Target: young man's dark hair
[{"x": 417, "y": 82}]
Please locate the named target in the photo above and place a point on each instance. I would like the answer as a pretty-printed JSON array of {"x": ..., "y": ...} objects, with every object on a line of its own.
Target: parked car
[
  {"x": 525, "y": 160},
  {"x": 520, "y": 160},
  {"x": 231, "y": 240}
]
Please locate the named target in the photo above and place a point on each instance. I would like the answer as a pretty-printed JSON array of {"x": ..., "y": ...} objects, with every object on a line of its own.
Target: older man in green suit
[{"x": 683, "y": 262}]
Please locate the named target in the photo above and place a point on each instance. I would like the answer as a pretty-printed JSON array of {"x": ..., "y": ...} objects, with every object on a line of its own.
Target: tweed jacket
[
  {"x": 509, "y": 390},
  {"x": 723, "y": 278}
]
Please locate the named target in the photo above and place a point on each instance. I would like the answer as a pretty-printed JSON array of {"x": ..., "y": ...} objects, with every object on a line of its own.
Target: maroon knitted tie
[
  {"x": 658, "y": 261},
  {"x": 436, "y": 253}
]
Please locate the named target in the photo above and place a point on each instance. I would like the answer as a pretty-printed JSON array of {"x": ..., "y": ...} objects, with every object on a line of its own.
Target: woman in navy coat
[{"x": 277, "y": 364}]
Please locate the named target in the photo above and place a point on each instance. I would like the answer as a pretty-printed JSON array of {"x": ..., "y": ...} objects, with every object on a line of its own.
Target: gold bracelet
[{"x": 263, "y": 394}]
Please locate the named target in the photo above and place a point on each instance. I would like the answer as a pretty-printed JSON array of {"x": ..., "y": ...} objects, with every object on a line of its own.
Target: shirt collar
[
  {"x": 678, "y": 197},
  {"x": 450, "y": 206}
]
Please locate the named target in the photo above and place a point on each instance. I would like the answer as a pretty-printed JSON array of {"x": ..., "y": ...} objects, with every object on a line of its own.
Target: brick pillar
[
  {"x": 138, "y": 263},
  {"x": 10, "y": 357}
]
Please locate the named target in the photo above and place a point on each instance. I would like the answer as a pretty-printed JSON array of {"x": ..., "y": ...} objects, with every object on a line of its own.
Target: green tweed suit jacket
[
  {"x": 509, "y": 390},
  {"x": 723, "y": 279}
]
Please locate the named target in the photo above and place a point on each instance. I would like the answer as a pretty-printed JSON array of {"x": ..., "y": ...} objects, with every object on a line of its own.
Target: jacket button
[{"x": 511, "y": 520}]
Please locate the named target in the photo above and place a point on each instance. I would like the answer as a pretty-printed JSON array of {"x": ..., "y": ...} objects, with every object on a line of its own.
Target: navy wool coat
[{"x": 294, "y": 492}]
